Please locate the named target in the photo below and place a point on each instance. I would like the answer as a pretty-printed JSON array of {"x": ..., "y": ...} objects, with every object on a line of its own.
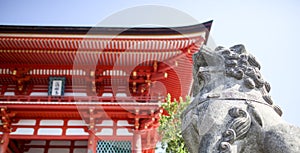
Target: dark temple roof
[{"x": 106, "y": 30}]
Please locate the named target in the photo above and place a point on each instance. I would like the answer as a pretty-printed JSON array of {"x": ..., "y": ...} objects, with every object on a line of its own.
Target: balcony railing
[{"x": 141, "y": 99}]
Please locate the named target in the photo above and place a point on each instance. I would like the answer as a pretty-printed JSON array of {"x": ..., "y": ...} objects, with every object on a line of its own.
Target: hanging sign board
[{"x": 56, "y": 86}]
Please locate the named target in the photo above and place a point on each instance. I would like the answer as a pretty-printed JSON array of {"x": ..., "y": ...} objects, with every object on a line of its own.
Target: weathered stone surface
[{"x": 232, "y": 110}]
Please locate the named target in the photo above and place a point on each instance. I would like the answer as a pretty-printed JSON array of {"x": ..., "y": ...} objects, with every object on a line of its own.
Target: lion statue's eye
[
  {"x": 244, "y": 57},
  {"x": 225, "y": 52}
]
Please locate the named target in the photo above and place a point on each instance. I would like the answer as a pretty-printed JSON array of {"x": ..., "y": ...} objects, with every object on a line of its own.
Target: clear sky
[{"x": 269, "y": 30}]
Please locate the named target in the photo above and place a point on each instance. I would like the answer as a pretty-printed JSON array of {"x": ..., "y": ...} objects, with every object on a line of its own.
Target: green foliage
[{"x": 170, "y": 125}]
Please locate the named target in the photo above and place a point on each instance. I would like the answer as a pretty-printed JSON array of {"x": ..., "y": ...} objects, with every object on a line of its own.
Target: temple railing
[{"x": 142, "y": 99}]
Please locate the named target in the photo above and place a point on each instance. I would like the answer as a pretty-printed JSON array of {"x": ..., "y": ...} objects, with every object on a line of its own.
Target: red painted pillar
[
  {"x": 4, "y": 142},
  {"x": 92, "y": 143},
  {"x": 137, "y": 142}
]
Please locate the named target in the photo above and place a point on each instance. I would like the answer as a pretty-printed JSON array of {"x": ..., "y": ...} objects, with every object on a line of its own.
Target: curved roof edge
[{"x": 206, "y": 26}]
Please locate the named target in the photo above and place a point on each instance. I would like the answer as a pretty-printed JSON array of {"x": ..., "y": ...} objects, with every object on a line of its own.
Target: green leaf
[{"x": 170, "y": 126}]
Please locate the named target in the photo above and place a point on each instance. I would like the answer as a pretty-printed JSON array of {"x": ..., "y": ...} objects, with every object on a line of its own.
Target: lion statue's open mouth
[{"x": 232, "y": 110}]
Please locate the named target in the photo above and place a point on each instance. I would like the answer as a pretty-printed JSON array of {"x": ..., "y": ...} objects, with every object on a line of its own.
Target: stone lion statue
[{"x": 232, "y": 111}]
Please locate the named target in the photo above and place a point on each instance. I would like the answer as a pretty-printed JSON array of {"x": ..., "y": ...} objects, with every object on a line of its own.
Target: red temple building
[{"x": 82, "y": 89}]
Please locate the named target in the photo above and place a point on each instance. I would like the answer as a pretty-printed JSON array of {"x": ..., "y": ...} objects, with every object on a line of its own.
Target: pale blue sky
[{"x": 269, "y": 29}]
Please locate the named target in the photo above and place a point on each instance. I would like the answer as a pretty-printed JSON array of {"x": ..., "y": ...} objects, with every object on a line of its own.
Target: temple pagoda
[{"x": 91, "y": 89}]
